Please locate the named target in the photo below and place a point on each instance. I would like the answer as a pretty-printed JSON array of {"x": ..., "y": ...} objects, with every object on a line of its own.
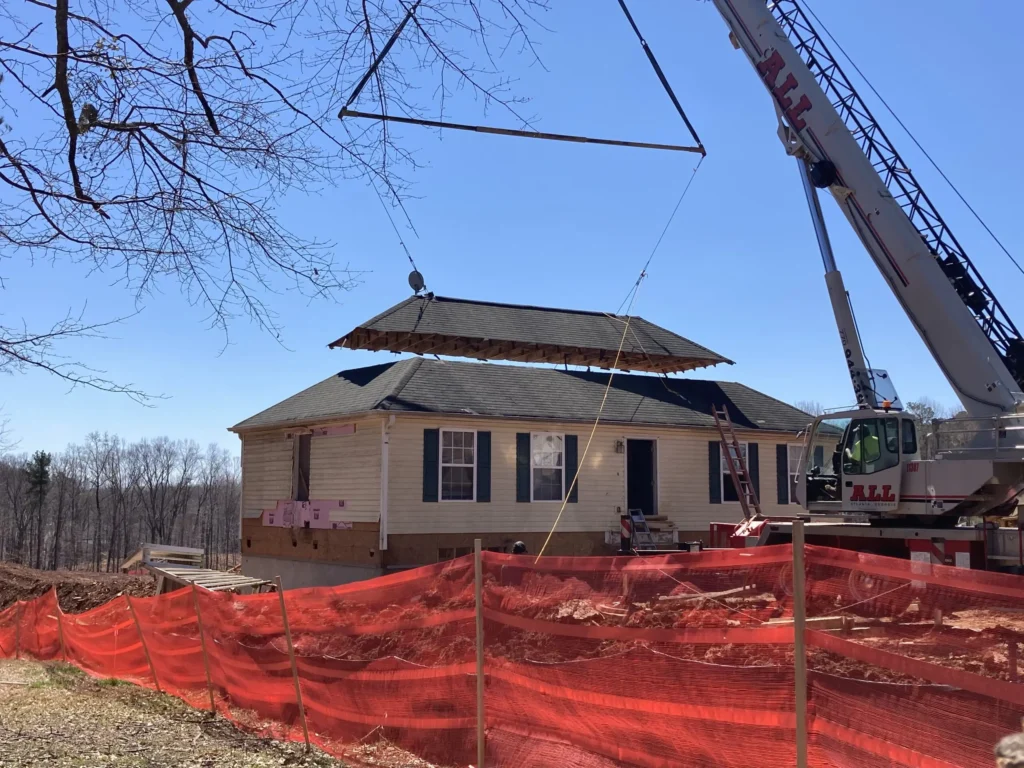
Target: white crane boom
[{"x": 970, "y": 336}]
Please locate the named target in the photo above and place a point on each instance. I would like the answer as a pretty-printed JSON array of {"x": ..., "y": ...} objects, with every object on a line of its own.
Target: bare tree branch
[{"x": 155, "y": 141}]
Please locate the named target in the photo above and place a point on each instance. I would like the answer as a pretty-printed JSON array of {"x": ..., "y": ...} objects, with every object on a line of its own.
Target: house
[{"x": 406, "y": 463}]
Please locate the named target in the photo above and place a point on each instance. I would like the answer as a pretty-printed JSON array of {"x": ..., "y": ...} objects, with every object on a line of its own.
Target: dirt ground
[
  {"x": 77, "y": 591},
  {"x": 53, "y": 715}
]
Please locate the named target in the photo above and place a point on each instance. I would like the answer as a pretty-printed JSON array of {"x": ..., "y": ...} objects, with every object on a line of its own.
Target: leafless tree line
[{"x": 91, "y": 505}]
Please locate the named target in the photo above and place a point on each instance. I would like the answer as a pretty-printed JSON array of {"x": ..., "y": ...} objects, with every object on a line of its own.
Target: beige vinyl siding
[
  {"x": 601, "y": 484},
  {"x": 347, "y": 467},
  {"x": 266, "y": 470},
  {"x": 682, "y": 470}
]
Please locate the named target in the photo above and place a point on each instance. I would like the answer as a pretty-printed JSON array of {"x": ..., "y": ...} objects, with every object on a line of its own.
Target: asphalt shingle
[
  {"x": 487, "y": 323},
  {"x": 435, "y": 386}
]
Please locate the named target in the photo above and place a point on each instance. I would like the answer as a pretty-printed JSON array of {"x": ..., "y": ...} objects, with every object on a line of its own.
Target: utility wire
[{"x": 913, "y": 138}]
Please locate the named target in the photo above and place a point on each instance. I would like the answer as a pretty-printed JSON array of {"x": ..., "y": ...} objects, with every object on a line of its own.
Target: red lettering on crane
[
  {"x": 872, "y": 495},
  {"x": 780, "y": 92},
  {"x": 794, "y": 112},
  {"x": 770, "y": 69}
]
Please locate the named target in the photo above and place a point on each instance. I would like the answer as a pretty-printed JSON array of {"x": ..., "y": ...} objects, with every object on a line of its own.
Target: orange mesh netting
[{"x": 589, "y": 662}]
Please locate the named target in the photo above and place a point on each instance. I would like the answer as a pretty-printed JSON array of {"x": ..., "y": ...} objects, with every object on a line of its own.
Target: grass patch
[
  {"x": 60, "y": 675},
  {"x": 111, "y": 682}
]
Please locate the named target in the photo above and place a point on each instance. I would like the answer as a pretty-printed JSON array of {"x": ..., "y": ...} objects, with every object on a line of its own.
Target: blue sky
[{"x": 566, "y": 225}]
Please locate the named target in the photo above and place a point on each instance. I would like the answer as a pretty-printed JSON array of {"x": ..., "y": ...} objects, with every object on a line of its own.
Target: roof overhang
[{"x": 517, "y": 351}]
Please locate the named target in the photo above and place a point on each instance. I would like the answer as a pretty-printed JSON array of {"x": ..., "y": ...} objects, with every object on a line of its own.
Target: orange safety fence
[{"x": 589, "y": 662}]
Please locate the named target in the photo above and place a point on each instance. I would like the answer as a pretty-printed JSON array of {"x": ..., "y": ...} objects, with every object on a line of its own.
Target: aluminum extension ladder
[
  {"x": 737, "y": 465},
  {"x": 640, "y": 534}
]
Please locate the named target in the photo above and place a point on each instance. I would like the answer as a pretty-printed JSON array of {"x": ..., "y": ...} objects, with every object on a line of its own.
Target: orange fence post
[
  {"x": 479, "y": 590},
  {"x": 291, "y": 656},
  {"x": 799, "y": 643},
  {"x": 145, "y": 646},
  {"x": 202, "y": 641},
  {"x": 60, "y": 628}
]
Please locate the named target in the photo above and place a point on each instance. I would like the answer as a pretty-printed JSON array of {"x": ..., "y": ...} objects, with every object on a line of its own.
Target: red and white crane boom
[{"x": 829, "y": 128}]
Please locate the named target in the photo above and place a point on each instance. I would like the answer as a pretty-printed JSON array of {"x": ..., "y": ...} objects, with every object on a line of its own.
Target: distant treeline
[{"x": 91, "y": 505}]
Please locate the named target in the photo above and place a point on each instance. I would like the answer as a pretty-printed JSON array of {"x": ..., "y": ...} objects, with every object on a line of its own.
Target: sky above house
[{"x": 567, "y": 225}]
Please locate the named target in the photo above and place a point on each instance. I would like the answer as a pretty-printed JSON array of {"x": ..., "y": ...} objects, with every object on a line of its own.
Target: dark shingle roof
[
  {"x": 434, "y": 386},
  {"x": 491, "y": 331}
]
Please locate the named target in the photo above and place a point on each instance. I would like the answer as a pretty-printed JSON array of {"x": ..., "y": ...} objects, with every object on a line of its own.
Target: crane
[{"x": 876, "y": 466}]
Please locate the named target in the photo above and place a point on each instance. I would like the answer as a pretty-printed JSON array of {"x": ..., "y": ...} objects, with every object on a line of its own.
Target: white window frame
[
  {"x": 441, "y": 465},
  {"x": 724, "y": 466},
  {"x": 561, "y": 436},
  {"x": 801, "y": 468}
]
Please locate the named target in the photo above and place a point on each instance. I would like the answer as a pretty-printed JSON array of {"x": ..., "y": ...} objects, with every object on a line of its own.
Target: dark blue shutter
[
  {"x": 754, "y": 469},
  {"x": 782, "y": 472},
  {"x": 523, "y": 466},
  {"x": 431, "y": 440},
  {"x": 571, "y": 464},
  {"x": 819, "y": 455},
  {"x": 483, "y": 466},
  {"x": 714, "y": 473}
]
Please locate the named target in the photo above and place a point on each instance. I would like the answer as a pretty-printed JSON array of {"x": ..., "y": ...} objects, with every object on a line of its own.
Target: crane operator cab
[{"x": 854, "y": 461}]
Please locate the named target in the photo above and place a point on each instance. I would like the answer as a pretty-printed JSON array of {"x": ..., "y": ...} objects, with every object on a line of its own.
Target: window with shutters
[
  {"x": 547, "y": 466},
  {"x": 795, "y": 468},
  {"x": 458, "y": 465},
  {"x": 728, "y": 486}
]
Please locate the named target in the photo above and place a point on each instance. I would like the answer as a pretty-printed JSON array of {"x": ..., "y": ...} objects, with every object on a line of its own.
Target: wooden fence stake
[
  {"x": 799, "y": 643},
  {"x": 202, "y": 641},
  {"x": 479, "y": 590},
  {"x": 295, "y": 667},
  {"x": 1011, "y": 657},
  {"x": 145, "y": 645},
  {"x": 60, "y": 628},
  {"x": 17, "y": 630}
]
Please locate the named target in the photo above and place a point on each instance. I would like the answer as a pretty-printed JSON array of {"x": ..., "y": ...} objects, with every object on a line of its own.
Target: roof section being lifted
[{"x": 435, "y": 325}]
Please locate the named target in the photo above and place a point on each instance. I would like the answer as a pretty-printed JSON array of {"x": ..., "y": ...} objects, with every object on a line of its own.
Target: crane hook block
[{"x": 823, "y": 174}]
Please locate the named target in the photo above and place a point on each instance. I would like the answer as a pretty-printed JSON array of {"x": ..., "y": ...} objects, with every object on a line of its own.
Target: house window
[
  {"x": 547, "y": 467},
  {"x": 728, "y": 486},
  {"x": 795, "y": 468},
  {"x": 458, "y": 465}
]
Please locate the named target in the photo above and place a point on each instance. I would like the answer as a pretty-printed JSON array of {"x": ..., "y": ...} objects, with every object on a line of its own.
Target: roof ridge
[
  {"x": 456, "y": 300},
  {"x": 389, "y": 311},
  {"x": 403, "y": 380}
]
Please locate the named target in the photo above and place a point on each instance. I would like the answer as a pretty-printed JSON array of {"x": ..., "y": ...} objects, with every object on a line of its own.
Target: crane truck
[{"x": 871, "y": 489}]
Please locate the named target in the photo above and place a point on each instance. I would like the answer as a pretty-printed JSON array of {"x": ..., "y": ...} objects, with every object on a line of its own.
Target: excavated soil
[{"x": 77, "y": 591}]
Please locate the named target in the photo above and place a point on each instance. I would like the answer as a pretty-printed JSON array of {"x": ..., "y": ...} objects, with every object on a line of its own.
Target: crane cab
[{"x": 854, "y": 461}]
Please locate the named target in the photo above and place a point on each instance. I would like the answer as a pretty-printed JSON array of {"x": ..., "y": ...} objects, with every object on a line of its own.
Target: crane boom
[{"x": 969, "y": 334}]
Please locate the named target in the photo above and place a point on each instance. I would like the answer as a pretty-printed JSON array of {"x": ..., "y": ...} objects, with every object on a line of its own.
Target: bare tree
[
  {"x": 107, "y": 496},
  {"x": 14, "y": 490},
  {"x": 812, "y": 407},
  {"x": 153, "y": 140},
  {"x": 69, "y": 487}
]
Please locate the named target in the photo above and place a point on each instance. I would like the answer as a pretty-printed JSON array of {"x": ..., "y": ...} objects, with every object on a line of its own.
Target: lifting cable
[
  {"x": 913, "y": 138},
  {"x": 631, "y": 299}
]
